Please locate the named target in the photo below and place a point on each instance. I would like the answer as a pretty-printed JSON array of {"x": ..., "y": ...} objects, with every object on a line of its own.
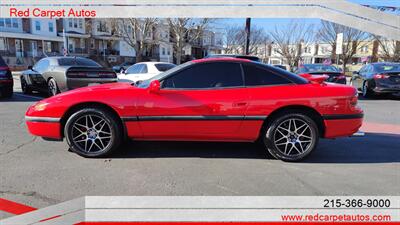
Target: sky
[{"x": 269, "y": 24}]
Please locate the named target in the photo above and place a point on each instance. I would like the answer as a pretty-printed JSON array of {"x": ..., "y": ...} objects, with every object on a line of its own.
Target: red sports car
[{"x": 217, "y": 99}]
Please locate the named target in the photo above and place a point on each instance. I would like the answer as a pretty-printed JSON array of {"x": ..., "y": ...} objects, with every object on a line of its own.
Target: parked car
[
  {"x": 144, "y": 71},
  {"x": 6, "y": 80},
  {"x": 220, "y": 99},
  {"x": 249, "y": 57},
  {"x": 280, "y": 66},
  {"x": 58, "y": 74},
  {"x": 122, "y": 67},
  {"x": 377, "y": 78},
  {"x": 335, "y": 75}
]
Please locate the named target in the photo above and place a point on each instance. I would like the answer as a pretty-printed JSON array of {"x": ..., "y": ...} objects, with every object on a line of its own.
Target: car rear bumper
[
  {"x": 342, "y": 125},
  {"x": 7, "y": 83},
  {"x": 46, "y": 127},
  {"x": 73, "y": 83}
]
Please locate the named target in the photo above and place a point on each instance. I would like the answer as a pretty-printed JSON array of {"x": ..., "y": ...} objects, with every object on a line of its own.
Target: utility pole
[{"x": 247, "y": 29}]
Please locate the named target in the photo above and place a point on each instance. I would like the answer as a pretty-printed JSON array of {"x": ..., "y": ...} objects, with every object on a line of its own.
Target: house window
[
  {"x": 102, "y": 26},
  {"x": 70, "y": 22},
  {"x": 92, "y": 43},
  {"x": 82, "y": 43},
  {"x": 51, "y": 27},
  {"x": 169, "y": 52},
  {"x": 2, "y": 23},
  {"x": 163, "y": 51},
  {"x": 8, "y": 22},
  {"x": 48, "y": 46},
  {"x": 80, "y": 24},
  {"x": 2, "y": 44},
  {"x": 75, "y": 23},
  {"x": 37, "y": 25},
  {"x": 15, "y": 23}
]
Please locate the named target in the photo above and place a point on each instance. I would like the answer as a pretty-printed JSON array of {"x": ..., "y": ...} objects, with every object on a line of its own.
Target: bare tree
[
  {"x": 235, "y": 40},
  {"x": 353, "y": 40},
  {"x": 184, "y": 31},
  {"x": 291, "y": 39},
  {"x": 389, "y": 50},
  {"x": 139, "y": 33}
]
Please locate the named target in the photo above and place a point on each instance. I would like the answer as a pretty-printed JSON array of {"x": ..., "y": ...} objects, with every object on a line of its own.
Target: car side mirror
[
  {"x": 154, "y": 86},
  {"x": 30, "y": 67},
  {"x": 355, "y": 73}
]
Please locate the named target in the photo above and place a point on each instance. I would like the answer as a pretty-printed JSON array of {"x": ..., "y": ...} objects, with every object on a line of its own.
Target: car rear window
[
  {"x": 387, "y": 68},
  {"x": 258, "y": 76},
  {"x": 77, "y": 62},
  {"x": 318, "y": 68},
  {"x": 164, "y": 66},
  {"x": 2, "y": 63}
]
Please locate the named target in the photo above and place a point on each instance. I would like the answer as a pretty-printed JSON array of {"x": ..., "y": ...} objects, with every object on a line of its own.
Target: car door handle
[{"x": 239, "y": 104}]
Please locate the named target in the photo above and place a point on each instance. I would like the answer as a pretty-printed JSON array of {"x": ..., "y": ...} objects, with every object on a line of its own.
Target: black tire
[
  {"x": 25, "y": 87},
  {"x": 79, "y": 138},
  {"x": 52, "y": 87},
  {"x": 366, "y": 91},
  {"x": 6, "y": 93},
  {"x": 274, "y": 137}
]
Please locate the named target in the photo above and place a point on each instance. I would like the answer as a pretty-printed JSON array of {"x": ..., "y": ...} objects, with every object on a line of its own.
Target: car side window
[
  {"x": 41, "y": 65},
  {"x": 134, "y": 69},
  {"x": 257, "y": 76},
  {"x": 362, "y": 70},
  {"x": 207, "y": 75},
  {"x": 144, "y": 68}
]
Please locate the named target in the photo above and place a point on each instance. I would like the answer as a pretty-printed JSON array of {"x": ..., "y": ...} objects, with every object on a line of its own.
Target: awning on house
[
  {"x": 106, "y": 37},
  {"x": 74, "y": 34},
  {"x": 30, "y": 36}
]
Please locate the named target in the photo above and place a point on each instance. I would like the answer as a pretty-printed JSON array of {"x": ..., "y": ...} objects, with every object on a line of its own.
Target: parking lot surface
[{"x": 41, "y": 173}]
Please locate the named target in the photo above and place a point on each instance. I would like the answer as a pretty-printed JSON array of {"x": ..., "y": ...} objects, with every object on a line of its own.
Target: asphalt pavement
[{"x": 41, "y": 173}]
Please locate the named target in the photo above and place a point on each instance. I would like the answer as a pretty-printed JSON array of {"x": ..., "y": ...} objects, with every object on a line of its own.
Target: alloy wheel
[
  {"x": 91, "y": 133},
  {"x": 53, "y": 90},
  {"x": 293, "y": 137}
]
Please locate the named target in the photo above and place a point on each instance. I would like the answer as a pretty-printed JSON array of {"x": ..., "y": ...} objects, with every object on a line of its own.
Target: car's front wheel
[
  {"x": 366, "y": 91},
  {"x": 291, "y": 137},
  {"x": 25, "y": 87},
  {"x": 52, "y": 87},
  {"x": 93, "y": 132}
]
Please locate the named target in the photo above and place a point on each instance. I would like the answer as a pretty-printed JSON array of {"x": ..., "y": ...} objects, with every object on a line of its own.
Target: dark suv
[{"x": 6, "y": 80}]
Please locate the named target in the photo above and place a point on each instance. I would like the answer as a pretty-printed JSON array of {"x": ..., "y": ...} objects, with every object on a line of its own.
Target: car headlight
[{"x": 40, "y": 106}]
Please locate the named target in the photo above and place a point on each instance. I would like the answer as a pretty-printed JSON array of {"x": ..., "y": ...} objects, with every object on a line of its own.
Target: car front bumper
[{"x": 46, "y": 127}]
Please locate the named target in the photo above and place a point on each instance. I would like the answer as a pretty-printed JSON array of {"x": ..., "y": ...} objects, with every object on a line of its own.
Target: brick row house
[{"x": 23, "y": 41}]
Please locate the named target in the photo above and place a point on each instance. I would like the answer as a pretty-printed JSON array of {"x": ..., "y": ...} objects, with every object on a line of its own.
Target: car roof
[
  {"x": 385, "y": 63},
  {"x": 222, "y": 59},
  {"x": 153, "y": 63}
]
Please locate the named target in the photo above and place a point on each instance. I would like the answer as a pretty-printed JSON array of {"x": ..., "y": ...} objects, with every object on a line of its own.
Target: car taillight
[
  {"x": 354, "y": 100},
  {"x": 77, "y": 74},
  {"x": 381, "y": 76}
]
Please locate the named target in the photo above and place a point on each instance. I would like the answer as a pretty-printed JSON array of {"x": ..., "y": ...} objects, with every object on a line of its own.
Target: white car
[{"x": 144, "y": 71}]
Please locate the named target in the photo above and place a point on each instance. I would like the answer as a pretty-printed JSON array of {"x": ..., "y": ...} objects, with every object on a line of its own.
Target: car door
[
  {"x": 205, "y": 101},
  {"x": 36, "y": 78},
  {"x": 357, "y": 78}
]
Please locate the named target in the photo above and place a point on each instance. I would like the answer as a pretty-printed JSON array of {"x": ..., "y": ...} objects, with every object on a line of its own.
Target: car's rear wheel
[
  {"x": 366, "y": 91},
  {"x": 93, "y": 132},
  {"x": 24, "y": 86},
  {"x": 52, "y": 87},
  {"x": 291, "y": 137}
]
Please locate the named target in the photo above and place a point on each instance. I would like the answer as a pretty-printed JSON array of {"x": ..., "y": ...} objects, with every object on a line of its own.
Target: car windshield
[
  {"x": 2, "y": 63},
  {"x": 387, "y": 68},
  {"x": 70, "y": 61},
  {"x": 145, "y": 83},
  {"x": 314, "y": 68},
  {"x": 164, "y": 66}
]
